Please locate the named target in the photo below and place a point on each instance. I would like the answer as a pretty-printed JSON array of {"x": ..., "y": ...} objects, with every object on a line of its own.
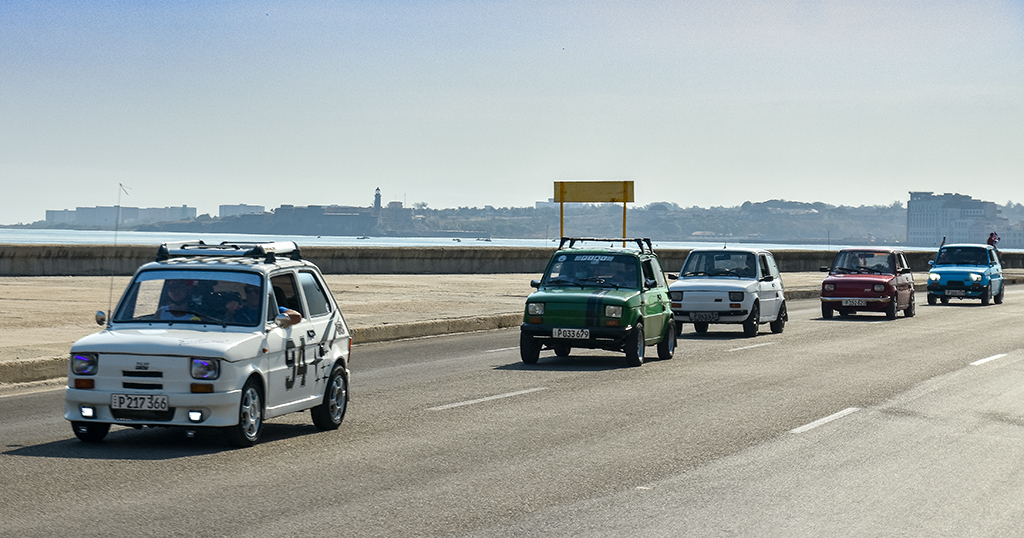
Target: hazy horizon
[{"x": 467, "y": 104}]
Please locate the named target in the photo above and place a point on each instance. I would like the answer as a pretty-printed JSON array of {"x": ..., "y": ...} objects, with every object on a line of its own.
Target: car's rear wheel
[
  {"x": 700, "y": 326},
  {"x": 826, "y": 311},
  {"x": 780, "y": 322},
  {"x": 911, "y": 309},
  {"x": 250, "y": 417},
  {"x": 329, "y": 414},
  {"x": 932, "y": 299},
  {"x": 529, "y": 349},
  {"x": 667, "y": 346},
  {"x": 752, "y": 321},
  {"x": 90, "y": 432},
  {"x": 634, "y": 346},
  {"x": 890, "y": 311},
  {"x": 562, "y": 350}
]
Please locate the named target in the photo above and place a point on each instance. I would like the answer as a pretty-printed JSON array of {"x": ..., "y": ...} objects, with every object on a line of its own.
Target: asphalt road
[{"x": 454, "y": 436}]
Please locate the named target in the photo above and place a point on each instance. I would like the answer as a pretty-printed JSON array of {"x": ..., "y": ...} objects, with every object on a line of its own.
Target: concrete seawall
[{"x": 123, "y": 260}]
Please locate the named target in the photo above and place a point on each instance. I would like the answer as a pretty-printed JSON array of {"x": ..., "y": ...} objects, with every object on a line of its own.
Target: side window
[
  {"x": 763, "y": 262},
  {"x": 902, "y": 261},
  {"x": 995, "y": 257},
  {"x": 285, "y": 292},
  {"x": 271, "y": 307},
  {"x": 316, "y": 296},
  {"x": 774, "y": 268},
  {"x": 648, "y": 272},
  {"x": 659, "y": 273}
]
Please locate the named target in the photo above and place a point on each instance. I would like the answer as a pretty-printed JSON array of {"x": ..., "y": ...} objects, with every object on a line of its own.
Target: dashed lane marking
[
  {"x": 825, "y": 420},
  {"x": 987, "y": 359},
  {"x": 486, "y": 399},
  {"x": 751, "y": 347}
]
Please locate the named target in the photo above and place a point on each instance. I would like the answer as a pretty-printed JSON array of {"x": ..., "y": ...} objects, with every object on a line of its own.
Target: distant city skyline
[{"x": 458, "y": 104}]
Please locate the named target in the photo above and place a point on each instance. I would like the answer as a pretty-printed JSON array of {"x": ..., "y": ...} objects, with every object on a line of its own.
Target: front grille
[
  {"x": 135, "y": 414},
  {"x": 137, "y": 373},
  {"x": 143, "y": 386}
]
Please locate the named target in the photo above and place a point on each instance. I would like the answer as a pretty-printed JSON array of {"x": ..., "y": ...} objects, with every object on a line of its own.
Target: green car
[{"x": 599, "y": 297}]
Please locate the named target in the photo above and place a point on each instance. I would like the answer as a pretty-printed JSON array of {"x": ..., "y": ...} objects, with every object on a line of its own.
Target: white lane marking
[
  {"x": 487, "y": 399},
  {"x": 751, "y": 347},
  {"x": 501, "y": 349},
  {"x": 825, "y": 420},
  {"x": 992, "y": 358}
]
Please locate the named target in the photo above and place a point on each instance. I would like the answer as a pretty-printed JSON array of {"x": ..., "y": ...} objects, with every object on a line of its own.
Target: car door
[
  {"x": 322, "y": 315},
  {"x": 656, "y": 305},
  {"x": 290, "y": 379},
  {"x": 769, "y": 288},
  {"x": 995, "y": 270},
  {"x": 904, "y": 280}
]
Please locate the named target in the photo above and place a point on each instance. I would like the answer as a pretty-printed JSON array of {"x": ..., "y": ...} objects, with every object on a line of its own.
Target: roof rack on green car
[{"x": 640, "y": 242}]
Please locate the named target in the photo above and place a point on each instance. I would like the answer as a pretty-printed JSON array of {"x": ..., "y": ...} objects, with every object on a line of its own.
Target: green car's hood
[{"x": 567, "y": 294}]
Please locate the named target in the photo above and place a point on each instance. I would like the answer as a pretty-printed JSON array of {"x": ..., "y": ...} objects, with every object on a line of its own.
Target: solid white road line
[
  {"x": 825, "y": 420},
  {"x": 751, "y": 347},
  {"x": 992, "y": 358},
  {"x": 487, "y": 399}
]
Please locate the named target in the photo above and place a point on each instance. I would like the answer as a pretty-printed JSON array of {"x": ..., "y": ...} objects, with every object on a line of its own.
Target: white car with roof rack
[
  {"x": 729, "y": 285},
  {"x": 214, "y": 336}
]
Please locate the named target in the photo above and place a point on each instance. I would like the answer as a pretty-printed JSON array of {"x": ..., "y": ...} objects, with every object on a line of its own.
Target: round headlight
[
  {"x": 829, "y": 287},
  {"x": 879, "y": 288}
]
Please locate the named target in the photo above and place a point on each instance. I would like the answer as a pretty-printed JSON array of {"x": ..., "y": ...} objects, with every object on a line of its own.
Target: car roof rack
[
  {"x": 268, "y": 250},
  {"x": 640, "y": 242}
]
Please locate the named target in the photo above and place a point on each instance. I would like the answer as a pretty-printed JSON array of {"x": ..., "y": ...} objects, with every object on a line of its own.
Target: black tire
[
  {"x": 750, "y": 326},
  {"x": 90, "y": 432},
  {"x": 329, "y": 414},
  {"x": 826, "y": 311},
  {"x": 890, "y": 311},
  {"x": 700, "y": 326},
  {"x": 932, "y": 299},
  {"x": 998, "y": 298},
  {"x": 779, "y": 324},
  {"x": 986, "y": 296},
  {"x": 667, "y": 346},
  {"x": 634, "y": 346},
  {"x": 911, "y": 309},
  {"x": 529, "y": 349},
  {"x": 944, "y": 300},
  {"x": 250, "y": 417},
  {"x": 562, "y": 350}
]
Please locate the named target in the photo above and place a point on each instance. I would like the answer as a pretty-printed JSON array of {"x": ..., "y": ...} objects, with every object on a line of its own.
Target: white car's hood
[
  {"x": 713, "y": 284},
  {"x": 230, "y": 346}
]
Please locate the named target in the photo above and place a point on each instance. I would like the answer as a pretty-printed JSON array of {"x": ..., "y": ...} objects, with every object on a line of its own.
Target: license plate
[
  {"x": 855, "y": 302},
  {"x": 955, "y": 293},
  {"x": 703, "y": 316},
  {"x": 143, "y": 402},
  {"x": 578, "y": 334}
]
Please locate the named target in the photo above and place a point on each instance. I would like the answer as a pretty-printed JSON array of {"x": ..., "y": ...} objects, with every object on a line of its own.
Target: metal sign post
[{"x": 592, "y": 192}]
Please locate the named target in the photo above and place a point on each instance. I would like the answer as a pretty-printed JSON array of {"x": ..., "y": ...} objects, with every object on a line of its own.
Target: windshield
[
  {"x": 962, "y": 256},
  {"x": 731, "y": 264},
  {"x": 600, "y": 270},
  {"x": 864, "y": 261},
  {"x": 220, "y": 297}
]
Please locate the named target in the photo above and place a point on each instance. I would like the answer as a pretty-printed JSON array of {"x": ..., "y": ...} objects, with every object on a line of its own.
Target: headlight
[
  {"x": 613, "y": 311},
  {"x": 879, "y": 288},
  {"x": 934, "y": 276},
  {"x": 205, "y": 368},
  {"x": 535, "y": 309},
  {"x": 675, "y": 295},
  {"x": 829, "y": 287},
  {"x": 976, "y": 277},
  {"x": 85, "y": 363},
  {"x": 735, "y": 296}
]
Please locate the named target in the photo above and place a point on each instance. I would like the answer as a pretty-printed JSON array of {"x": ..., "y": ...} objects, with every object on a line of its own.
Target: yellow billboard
[{"x": 594, "y": 191}]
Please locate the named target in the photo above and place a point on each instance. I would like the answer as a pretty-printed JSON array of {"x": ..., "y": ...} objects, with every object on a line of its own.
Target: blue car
[{"x": 966, "y": 272}]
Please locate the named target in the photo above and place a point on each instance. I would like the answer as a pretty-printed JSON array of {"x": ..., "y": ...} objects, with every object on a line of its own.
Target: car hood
[
  {"x": 231, "y": 346},
  {"x": 713, "y": 284},
  {"x": 576, "y": 295},
  {"x": 961, "y": 269},
  {"x": 851, "y": 278}
]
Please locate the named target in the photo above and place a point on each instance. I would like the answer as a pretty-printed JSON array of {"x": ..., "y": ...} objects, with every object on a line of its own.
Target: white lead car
[
  {"x": 729, "y": 285},
  {"x": 216, "y": 336}
]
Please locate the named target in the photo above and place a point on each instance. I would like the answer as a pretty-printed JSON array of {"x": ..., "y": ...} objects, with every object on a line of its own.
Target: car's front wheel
[
  {"x": 529, "y": 349},
  {"x": 90, "y": 432},
  {"x": 944, "y": 300},
  {"x": 911, "y": 308},
  {"x": 986, "y": 296},
  {"x": 890, "y": 311},
  {"x": 752, "y": 321},
  {"x": 700, "y": 326},
  {"x": 250, "y": 417},
  {"x": 932, "y": 299},
  {"x": 998, "y": 298},
  {"x": 667, "y": 346},
  {"x": 635, "y": 346},
  {"x": 826, "y": 311},
  {"x": 329, "y": 414},
  {"x": 562, "y": 350}
]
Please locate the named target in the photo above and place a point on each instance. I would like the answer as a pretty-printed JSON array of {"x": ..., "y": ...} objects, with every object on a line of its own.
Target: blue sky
[{"x": 489, "y": 102}]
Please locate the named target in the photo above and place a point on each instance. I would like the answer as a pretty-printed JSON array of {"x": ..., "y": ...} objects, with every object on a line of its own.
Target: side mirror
[
  {"x": 287, "y": 318},
  {"x": 931, "y": 262},
  {"x": 535, "y": 284},
  {"x": 101, "y": 318},
  {"x": 824, "y": 268},
  {"x": 767, "y": 278},
  {"x": 650, "y": 283},
  {"x": 672, "y": 276}
]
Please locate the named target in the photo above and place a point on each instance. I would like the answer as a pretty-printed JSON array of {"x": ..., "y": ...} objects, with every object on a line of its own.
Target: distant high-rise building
[
  {"x": 955, "y": 217},
  {"x": 239, "y": 209}
]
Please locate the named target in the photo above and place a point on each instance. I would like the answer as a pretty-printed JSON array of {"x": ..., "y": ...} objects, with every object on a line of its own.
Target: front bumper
[
  {"x": 219, "y": 409},
  {"x": 600, "y": 337},
  {"x": 871, "y": 304},
  {"x": 956, "y": 288}
]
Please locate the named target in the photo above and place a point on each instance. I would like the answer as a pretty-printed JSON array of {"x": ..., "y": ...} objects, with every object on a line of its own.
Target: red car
[{"x": 868, "y": 280}]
